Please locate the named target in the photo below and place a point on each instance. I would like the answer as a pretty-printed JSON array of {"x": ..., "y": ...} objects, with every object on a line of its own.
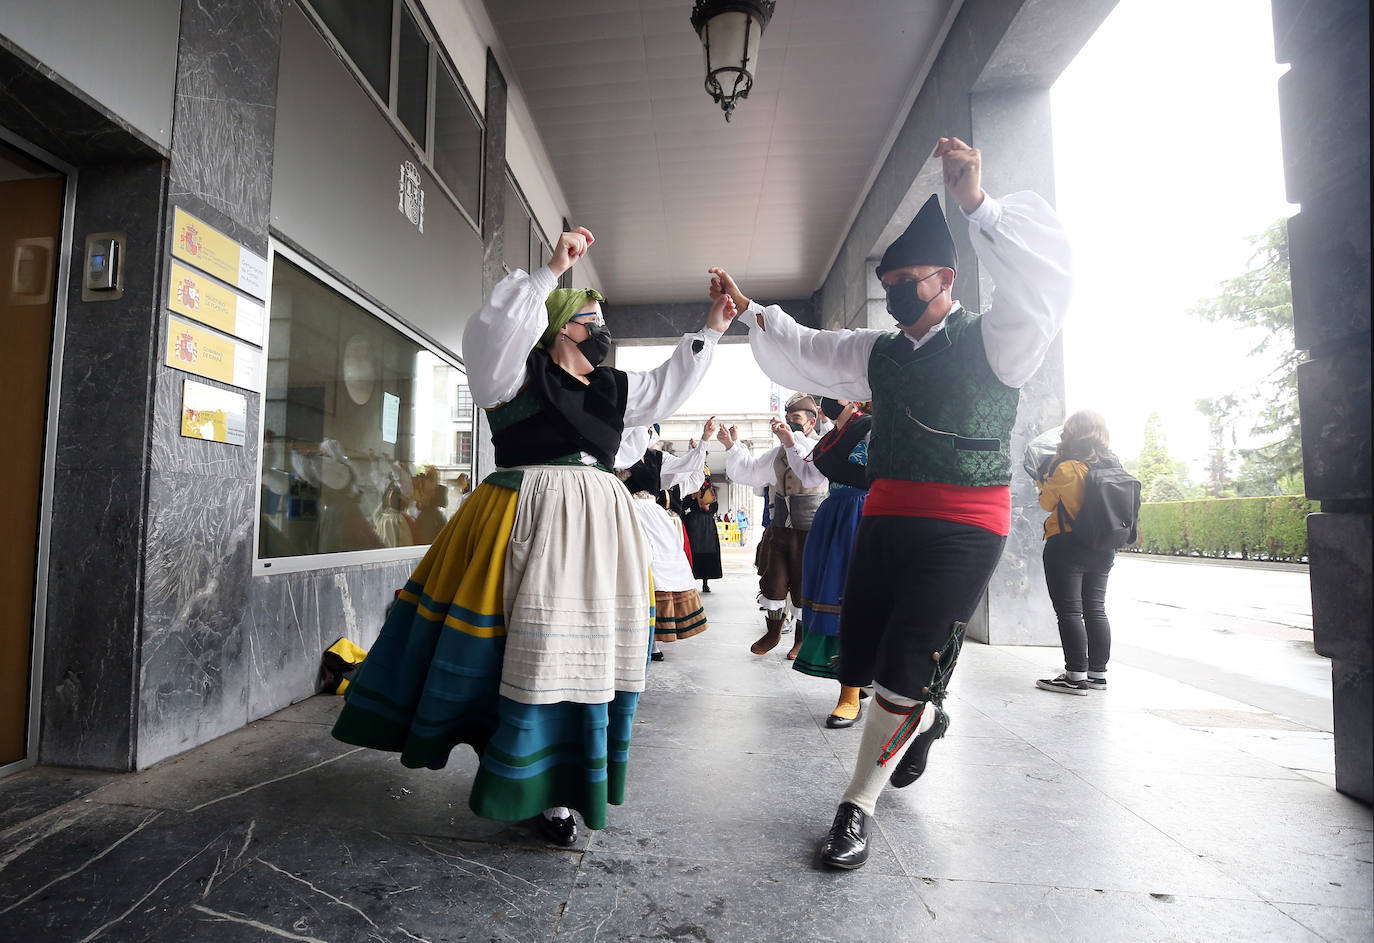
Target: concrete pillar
[
  {"x": 1324, "y": 112},
  {"x": 1012, "y": 128},
  {"x": 493, "y": 219}
]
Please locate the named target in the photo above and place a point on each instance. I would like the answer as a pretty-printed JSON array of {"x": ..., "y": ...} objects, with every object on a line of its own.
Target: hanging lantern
[{"x": 731, "y": 31}]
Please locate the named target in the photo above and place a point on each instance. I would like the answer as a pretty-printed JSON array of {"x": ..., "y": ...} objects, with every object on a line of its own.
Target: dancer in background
[
  {"x": 795, "y": 491},
  {"x": 699, "y": 517},
  {"x": 842, "y": 457}
]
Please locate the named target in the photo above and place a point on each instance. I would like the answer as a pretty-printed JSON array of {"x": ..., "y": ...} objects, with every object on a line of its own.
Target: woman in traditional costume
[
  {"x": 842, "y": 457},
  {"x": 524, "y": 631},
  {"x": 699, "y": 517},
  {"x": 678, "y": 612}
]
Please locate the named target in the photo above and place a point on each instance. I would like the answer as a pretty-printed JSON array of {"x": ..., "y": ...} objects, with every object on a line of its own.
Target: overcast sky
[{"x": 1167, "y": 157}]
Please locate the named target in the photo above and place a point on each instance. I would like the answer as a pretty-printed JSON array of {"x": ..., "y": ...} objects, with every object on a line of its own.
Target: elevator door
[{"x": 31, "y": 200}]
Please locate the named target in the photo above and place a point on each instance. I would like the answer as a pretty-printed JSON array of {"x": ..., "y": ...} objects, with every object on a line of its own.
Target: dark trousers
[
  {"x": 910, "y": 580},
  {"x": 1076, "y": 577}
]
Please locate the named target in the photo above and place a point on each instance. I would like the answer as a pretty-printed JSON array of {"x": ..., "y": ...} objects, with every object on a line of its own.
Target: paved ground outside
[{"x": 1192, "y": 801}]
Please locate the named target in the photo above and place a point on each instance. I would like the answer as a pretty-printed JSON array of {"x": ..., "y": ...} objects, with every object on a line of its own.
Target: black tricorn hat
[{"x": 926, "y": 242}]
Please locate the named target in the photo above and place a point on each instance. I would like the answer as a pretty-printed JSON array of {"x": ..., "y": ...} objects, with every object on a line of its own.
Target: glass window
[
  {"x": 517, "y": 230},
  {"x": 412, "y": 77},
  {"x": 363, "y": 29},
  {"x": 359, "y": 430},
  {"x": 457, "y": 142}
]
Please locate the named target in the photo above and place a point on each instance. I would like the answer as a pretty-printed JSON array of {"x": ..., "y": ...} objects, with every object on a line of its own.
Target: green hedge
[{"x": 1245, "y": 528}]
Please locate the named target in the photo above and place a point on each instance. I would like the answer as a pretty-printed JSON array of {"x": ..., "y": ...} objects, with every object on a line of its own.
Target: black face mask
[
  {"x": 905, "y": 304},
  {"x": 796, "y": 426},
  {"x": 831, "y": 408},
  {"x": 597, "y": 345}
]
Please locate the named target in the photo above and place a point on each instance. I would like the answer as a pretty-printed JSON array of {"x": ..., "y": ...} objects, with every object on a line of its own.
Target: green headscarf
[{"x": 562, "y": 306}]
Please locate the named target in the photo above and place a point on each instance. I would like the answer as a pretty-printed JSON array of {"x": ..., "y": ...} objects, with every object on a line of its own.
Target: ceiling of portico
[{"x": 648, "y": 163}]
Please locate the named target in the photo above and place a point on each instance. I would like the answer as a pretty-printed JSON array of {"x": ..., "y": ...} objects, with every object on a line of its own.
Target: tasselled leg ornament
[{"x": 943, "y": 662}]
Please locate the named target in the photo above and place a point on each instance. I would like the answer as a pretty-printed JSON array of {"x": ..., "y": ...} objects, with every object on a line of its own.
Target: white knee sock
[
  {"x": 887, "y": 729},
  {"x": 557, "y": 812}
]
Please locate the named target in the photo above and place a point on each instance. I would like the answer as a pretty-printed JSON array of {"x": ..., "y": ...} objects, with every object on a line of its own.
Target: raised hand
[
  {"x": 963, "y": 172},
  {"x": 708, "y": 430},
  {"x": 723, "y": 311},
  {"x": 783, "y": 431},
  {"x": 727, "y": 437},
  {"x": 722, "y": 283},
  {"x": 571, "y": 247}
]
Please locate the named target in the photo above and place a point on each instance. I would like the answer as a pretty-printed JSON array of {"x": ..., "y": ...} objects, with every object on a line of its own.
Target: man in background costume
[
  {"x": 945, "y": 392},
  {"x": 793, "y": 504}
]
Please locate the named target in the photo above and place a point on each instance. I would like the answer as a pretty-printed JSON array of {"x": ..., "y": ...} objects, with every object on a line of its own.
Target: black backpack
[{"x": 1110, "y": 511}]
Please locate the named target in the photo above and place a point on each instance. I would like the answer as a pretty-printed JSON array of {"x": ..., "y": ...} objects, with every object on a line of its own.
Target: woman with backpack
[{"x": 1076, "y": 569}]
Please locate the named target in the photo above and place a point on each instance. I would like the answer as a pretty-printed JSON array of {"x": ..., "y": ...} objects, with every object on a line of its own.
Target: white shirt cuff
[
  {"x": 543, "y": 281},
  {"x": 711, "y": 334},
  {"x": 987, "y": 214},
  {"x": 750, "y": 314}
]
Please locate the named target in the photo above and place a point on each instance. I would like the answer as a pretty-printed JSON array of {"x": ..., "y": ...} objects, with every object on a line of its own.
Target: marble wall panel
[
  {"x": 293, "y": 617},
  {"x": 89, "y": 675},
  {"x": 1329, "y": 251},
  {"x": 494, "y": 173},
  {"x": 171, "y": 453},
  {"x": 198, "y": 559},
  {"x": 226, "y": 112},
  {"x": 1326, "y": 148},
  {"x": 96, "y": 526},
  {"x": 1334, "y": 399},
  {"x": 667, "y": 323},
  {"x": 48, "y": 111}
]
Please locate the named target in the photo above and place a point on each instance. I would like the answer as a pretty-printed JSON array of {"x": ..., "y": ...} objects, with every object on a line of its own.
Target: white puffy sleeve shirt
[
  {"x": 758, "y": 472},
  {"x": 1023, "y": 245},
  {"x": 687, "y": 470},
  {"x": 500, "y": 336}
]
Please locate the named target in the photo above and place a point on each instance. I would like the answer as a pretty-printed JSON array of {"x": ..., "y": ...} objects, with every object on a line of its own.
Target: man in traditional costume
[
  {"x": 524, "y": 631},
  {"x": 793, "y": 504},
  {"x": 841, "y": 456},
  {"x": 944, "y": 390}
]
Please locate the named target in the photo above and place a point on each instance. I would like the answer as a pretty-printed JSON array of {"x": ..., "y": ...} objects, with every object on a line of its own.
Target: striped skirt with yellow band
[{"x": 432, "y": 681}]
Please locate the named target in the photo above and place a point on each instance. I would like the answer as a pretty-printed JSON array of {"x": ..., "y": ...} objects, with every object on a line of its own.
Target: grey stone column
[
  {"x": 202, "y": 496},
  {"x": 1324, "y": 111},
  {"x": 493, "y": 218},
  {"x": 1012, "y": 128}
]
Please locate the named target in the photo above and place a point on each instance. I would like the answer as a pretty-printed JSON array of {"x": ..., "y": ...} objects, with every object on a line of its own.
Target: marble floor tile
[
  {"x": 357, "y": 884},
  {"x": 979, "y": 912},
  {"x": 41, "y": 789},
  {"x": 1334, "y": 924},
  {"x": 631, "y": 898}
]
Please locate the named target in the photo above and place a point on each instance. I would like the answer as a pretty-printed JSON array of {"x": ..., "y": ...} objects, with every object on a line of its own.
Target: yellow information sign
[
  {"x": 200, "y": 244},
  {"x": 212, "y": 414},
  {"x": 209, "y": 302},
  {"x": 212, "y": 355}
]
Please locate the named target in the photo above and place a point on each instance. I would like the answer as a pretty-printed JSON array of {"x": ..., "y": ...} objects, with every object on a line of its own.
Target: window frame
[
  {"x": 534, "y": 229},
  {"x": 269, "y": 566},
  {"x": 438, "y": 57}
]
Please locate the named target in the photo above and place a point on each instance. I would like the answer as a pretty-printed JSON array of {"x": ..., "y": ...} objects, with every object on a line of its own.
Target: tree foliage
[
  {"x": 1262, "y": 298},
  {"x": 1154, "y": 462}
]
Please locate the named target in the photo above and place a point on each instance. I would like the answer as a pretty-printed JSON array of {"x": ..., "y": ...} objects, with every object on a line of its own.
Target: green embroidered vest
[{"x": 944, "y": 386}]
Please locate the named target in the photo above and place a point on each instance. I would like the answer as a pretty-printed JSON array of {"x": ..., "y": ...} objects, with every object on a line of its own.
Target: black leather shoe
[
  {"x": 913, "y": 762},
  {"x": 657, "y": 656},
  {"x": 836, "y": 722},
  {"x": 846, "y": 844},
  {"x": 561, "y": 832}
]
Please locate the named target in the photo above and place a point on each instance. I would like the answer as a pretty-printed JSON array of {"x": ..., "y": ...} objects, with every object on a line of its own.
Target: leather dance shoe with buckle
[
  {"x": 913, "y": 762},
  {"x": 846, "y": 844}
]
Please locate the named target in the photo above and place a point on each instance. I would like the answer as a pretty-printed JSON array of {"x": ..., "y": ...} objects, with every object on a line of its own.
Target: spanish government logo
[
  {"x": 189, "y": 239},
  {"x": 186, "y": 349},
  {"x": 411, "y": 195},
  {"x": 188, "y": 295}
]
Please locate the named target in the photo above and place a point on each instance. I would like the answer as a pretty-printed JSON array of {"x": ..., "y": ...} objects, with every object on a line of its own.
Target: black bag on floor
[{"x": 1110, "y": 511}]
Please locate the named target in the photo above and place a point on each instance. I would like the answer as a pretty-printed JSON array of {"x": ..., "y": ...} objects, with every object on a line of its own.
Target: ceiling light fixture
[{"x": 730, "y": 32}]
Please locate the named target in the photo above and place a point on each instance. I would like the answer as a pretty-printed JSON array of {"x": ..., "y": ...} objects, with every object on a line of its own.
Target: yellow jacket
[{"x": 1066, "y": 483}]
